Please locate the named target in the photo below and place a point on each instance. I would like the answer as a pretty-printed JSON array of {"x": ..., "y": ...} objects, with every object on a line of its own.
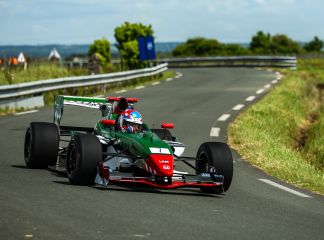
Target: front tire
[
  {"x": 215, "y": 157},
  {"x": 84, "y": 154},
  {"x": 41, "y": 144}
]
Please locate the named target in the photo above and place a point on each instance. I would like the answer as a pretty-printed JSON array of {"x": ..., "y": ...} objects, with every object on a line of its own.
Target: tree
[
  {"x": 314, "y": 45},
  {"x": 126, "y": 37},
  {"x": 260, "y": 43},
  {"x": 282, "y": 44},
  {"x": 102, "y": 48}
]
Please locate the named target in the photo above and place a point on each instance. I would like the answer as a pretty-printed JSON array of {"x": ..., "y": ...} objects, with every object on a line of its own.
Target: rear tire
[
  {"x": 84, "y": 154},
  {"x": 215, "y": 156},
  {"x": 164, "y": 134},
  {"x": 41, "y": 145}
]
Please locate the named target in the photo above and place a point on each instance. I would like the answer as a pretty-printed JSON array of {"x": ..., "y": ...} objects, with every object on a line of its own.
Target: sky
[{"x": 34, "y": 22}]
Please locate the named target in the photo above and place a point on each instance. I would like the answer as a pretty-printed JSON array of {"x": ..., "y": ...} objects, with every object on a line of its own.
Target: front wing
[{"x": 203, "y": 180}]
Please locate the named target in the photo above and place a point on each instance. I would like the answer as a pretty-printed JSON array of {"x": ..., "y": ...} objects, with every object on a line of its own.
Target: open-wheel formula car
[{"x": 121, "y": 149}]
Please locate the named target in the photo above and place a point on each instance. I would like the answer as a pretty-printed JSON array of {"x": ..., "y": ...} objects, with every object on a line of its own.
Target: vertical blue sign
[{"x": 146, "y": 48}]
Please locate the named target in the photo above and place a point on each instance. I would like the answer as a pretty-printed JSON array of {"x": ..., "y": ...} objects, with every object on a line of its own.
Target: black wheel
[
  {"x": 84, "y": 153},
  {"x": 215, "y": 157},
  {"x": 41, "y": 144},
  {"x": 164, "y": 134}
]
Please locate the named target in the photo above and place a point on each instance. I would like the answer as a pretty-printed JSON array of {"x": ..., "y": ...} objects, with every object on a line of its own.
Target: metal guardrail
[
  {"x": 19, "y": 90},
  {"x": 240, "y": 61}
]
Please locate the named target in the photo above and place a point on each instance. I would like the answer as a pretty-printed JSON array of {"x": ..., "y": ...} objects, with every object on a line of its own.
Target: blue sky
[{"x": 82, "y": 21}]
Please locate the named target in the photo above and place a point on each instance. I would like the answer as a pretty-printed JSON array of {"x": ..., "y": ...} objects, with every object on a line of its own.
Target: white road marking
[
  {"x": 155, "y": 83},
  {"x": 267, "y": 86},
  {"x": 250, "y": 99},
  {"x": 177, "y": 76},
  {"x": 238, "y": 107},
  {"x": 274, "y": 81},
  {"x": 139, "y": 87},
  {"x": 169, "y": 79},
  {"x": 27, "y": 112},
  {"x": 224, "y": 117},
  {"x": 279, "y": 77},
  {"x": 284, "y": 188},
  {"x": 214, "y": 132},
  {"x": 260, "y": 91},
  {"x": 121, "y": 91}
]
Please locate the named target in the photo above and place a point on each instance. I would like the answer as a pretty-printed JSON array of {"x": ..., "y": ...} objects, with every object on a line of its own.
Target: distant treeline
[{"x": 261, "y": 43}]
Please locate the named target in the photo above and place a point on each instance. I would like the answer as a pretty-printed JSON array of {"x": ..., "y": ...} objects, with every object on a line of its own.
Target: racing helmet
[{"x": 130, "y": 121}]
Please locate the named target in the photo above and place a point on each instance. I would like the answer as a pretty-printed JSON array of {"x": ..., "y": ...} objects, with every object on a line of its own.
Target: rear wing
[{"x": 105, "y": 105}]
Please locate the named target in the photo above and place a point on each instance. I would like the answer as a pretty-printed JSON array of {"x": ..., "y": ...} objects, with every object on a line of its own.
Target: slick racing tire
[
  {"x": 84, "y": 154},
  {"x": 215, "y": 157},
  {"x": 164, "y": 134},
  {"x": 41, "y": 145}
]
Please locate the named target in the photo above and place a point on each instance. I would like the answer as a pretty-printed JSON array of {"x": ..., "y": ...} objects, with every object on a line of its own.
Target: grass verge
[{"x": 283, "y": 134}]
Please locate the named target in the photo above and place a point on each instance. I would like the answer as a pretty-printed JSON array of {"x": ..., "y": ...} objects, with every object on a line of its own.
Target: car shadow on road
[
  {"x": 19, "y": 166},
  {"x": 178, "y": 192}
]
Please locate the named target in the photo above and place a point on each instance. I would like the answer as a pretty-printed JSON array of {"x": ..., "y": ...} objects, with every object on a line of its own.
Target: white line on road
[
  {"x": 284, "y": 188},
  {"x": 224, "y": 117},
  {"x": 155, "y": 83},
  {"x": 260, "y": 91},
  {"x": 250, "y": 99},
  {"x": 121, "y": 91},
  {"x": 169, "y": 79},
  {"x": 238, "y": 107},
  {"x": 274, "y": 81},
  {"x": 177, "y": 76},
  {"x": 214, "y": 132},
  {"x": 139, "y": 87},
  {"x": 267, "y": 86},
  {"x": 27, "y": 112}
]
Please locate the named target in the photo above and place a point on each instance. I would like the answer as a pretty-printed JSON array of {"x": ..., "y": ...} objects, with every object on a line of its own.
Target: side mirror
[
  {"x": 108, "y": 122},
  {"x": 167, "y": 125}
]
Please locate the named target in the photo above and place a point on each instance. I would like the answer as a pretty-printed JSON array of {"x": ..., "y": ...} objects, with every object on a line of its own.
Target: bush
[
  {"x": 314, "y": 45},
  {"x": 207, "y": 47}
]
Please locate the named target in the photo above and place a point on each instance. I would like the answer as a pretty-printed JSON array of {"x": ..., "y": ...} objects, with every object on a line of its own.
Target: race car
[{"x": 121, "y": 149}]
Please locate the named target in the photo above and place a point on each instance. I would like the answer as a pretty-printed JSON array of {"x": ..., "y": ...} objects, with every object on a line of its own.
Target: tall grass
[
  {"x": 37, "y": 71},
  {"x": 283, "y": 134}
]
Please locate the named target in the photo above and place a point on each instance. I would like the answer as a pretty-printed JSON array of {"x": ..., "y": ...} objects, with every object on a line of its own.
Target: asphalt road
[{"x": 40, "y": 204}]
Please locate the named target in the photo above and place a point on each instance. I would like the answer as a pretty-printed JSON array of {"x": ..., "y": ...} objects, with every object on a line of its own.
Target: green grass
[{"x": 269, "y": 134}]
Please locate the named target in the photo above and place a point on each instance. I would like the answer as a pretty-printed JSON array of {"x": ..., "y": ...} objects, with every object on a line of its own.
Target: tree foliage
[
  {"x": 102, "y": 48},
  {"x": 314, "y": 45},
  {"x": 263, "y": 43},
  {"x": 282, "y": 44},
  {"x": 260, "y": 43},
  {"x": 126, "y": 37},
  {"x": 207, "y": 47}
]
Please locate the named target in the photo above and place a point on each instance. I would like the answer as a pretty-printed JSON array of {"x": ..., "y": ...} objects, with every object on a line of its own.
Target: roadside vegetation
[
  {"x": 261, "y": 44},
  {"x": 283, "y": 134},
  {"x": 37, "y": 71}
]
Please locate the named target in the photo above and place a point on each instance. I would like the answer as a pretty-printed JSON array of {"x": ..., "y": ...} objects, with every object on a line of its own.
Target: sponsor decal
[
  {"x": 205, "y": 174},
  {"x": 159, "y": 150},
  {"x": 164, "y": 161}
]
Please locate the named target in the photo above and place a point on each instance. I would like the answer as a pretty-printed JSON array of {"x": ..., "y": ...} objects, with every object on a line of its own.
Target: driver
[{"x": 130, "y": 121}]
